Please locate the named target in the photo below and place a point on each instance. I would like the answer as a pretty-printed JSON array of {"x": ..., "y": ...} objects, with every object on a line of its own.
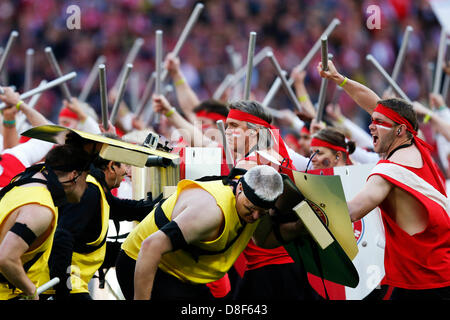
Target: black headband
[
  {"x": 254, "y": 198},
  {"x": 70, "y": 168}
]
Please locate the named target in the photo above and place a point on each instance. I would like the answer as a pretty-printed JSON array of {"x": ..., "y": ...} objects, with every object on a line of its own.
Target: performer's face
[
  {"x": 324, "y": 158},
  {"x": 115, "y": 174},
  {"x": 382, "y": 131},
  {"x": 246, "y": 210},
  {"x": 238, "y": 135},
  {"x": 68, "y": 122}
]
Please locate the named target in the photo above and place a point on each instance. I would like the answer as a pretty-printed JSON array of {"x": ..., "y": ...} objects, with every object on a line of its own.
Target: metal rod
[
  {"x": 401, "y": 53},
  {"x": 129, "y": 59},
  {"x": 440, "y": 58},
  {"x": 227, "y": 150},
  {"x": 3, "y": 73},
  {"x": 324, "y": 82},
  {"x": 187, "y": 29},
  {"x": 336, "y": 95},
  {"x": 55, "y": 66},
  {"x": 251, "y": 52},
  {"x": 274, "y": 112},
  {"x": 149, "y": 114},
  {"x": 133, "y": 89},
  {"x": 234, "y": 59},
  {"x": 284, "y": 81},
  {"x": 47, "y": 285},
  {"x": 29, "y": 59},
  {"x": 445, "y": 87},
  {"x": 233, "y": 79},
  {"x": 400, "y": 56},
  {"x": 184, "y": 34},
  {"x": 304, "y": 63},
  {"x": 428, "y": 79},
  {"x": 34, "y": 99},
  {"x": 223, "y": 86},
  {"x": 122, "y": 85},
  {"x": 271, "y": 93},
  {"x": 158, "y": 66},
  {"x": 383, "y": 72},
  {"x": 321, "y": 101},
  {"x": 41, "y": 88},
  {"x": 91, "y": 79},
  {"x": 103, "y": 95},
  {"x": 12, "y": 37},
  {"x": 315, "y": 48},
  {"x": 158, "y": 61},
  {"x": 324, "y": 42},
  {"x": 146, "y": 94}
]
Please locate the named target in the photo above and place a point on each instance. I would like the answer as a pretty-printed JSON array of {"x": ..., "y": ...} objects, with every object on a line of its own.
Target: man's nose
[{"x": 256, "y": 214}]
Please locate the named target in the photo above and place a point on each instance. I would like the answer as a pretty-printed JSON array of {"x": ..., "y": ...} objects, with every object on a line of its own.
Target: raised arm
[
  {"x": 12, "y": 98},
  {"x": 190, "y": 133},
  {"x": 301, "y": 93},
  {"x": 86, "y": 123},
  {"x": 186, "y": 97},
  {"x": 10, "y": 135},
  {"x": 362, "y": 95},
  {"x": 438, "y": 124}
]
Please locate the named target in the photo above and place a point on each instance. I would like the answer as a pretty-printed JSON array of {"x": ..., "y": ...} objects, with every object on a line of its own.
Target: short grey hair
[{"x": 265, "y": 181}]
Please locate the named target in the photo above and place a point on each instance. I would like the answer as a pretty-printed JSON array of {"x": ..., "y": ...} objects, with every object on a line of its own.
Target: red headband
[
  {"x": 394, "y": 116},
  {"x": 244, "y": 116},
  {"x": 315, "y": 142},
  {"x": 66, "y": 112},
  {"x": 211, "y": 115},
  {"x": 274, "y": 131}
]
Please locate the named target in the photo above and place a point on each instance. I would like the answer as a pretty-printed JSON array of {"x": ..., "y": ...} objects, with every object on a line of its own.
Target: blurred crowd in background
[{"x": 289, "y": 27}]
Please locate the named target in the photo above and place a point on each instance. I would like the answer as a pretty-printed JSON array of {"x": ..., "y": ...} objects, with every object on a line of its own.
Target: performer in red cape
[{"x": 409, "y": 189}]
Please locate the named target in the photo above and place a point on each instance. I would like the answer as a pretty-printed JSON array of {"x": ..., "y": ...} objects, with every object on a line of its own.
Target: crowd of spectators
[{"x": 289, "y": 27}]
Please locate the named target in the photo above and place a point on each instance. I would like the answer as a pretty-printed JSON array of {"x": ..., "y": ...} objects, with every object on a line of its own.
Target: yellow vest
[
  {"x": 180, "y": 263},
  {"x": 15, "y": 198},
  {"x": 84, "y": 265}
]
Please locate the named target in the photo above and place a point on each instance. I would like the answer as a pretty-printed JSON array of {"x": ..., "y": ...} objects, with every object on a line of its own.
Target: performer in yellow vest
[
  {"x": 195, "y": 236},
  {"x": 80, "y": 239},
  {"x": 28, "y": 218}
]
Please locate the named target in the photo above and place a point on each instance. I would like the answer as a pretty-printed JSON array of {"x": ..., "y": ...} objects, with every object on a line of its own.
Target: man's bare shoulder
[
  {"x": 409, "y": 157},
  {"x": 195, "y": 191},
  {"x": 196, "y": 197},
  {"x": 197, "y": 214},
  {"x": 37, "y": 217}
]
